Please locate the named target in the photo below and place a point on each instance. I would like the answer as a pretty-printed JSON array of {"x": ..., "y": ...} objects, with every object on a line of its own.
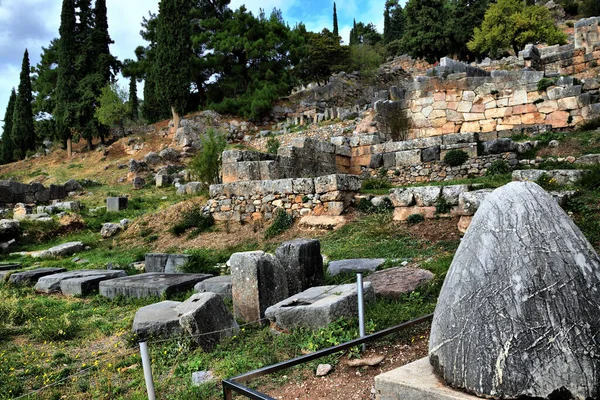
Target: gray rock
[
  {"x": 86, "y": 285},
  {"x": 150, "y": 285},
  {"x": 517, "y": 314},
  {"x": 10, "y": 267},
  {"x": 338, "y": 182},
  {"x": 152, "y": 158},
  {"x": 430, "y": 154},
  {"x": 194, "y": 187},
  {"x": 73, "y": 186},
  {"x": 426, "y": 196},
  {"x": 162, "y": 180},
  {"x": 207, "y": 319},
  {"x": 354, "y": 266},
  {"x": 138, "y": 183},
  {"x": 560, "y": 176},
  {"x": 137, "y": 166},
  {"x": 52, "y": 283},
  {"x": 452, "y": 193},
  {"x": 402, "y": 197},
  {"x": 62, "y": 250},
  {"x": 116, "y": 204},
  {"x": 553, "y": 143},
  {"x": 258, "y": 281},
  {"x": 589, "y": 159},
  {"x": 323, "y": 369},
  {"x": 165, "y": 263},
  {"x": 498, "y": 146},
  {"x": 302, "y": 262},
  {"x": 31, "y": 276},
  {"x": 392, "y": 283},
  {"x": 170, "y": 154},
  {"x": 159, "y": 320},
  {"x": 469, "y": 202},
  {"x": 9, "y": 228},
  {"x": 201, "y": 377},
  {"x": 109, "y": 230},
  {"x": 220, "y": 285},
  {"x": 319, "y": 306}
]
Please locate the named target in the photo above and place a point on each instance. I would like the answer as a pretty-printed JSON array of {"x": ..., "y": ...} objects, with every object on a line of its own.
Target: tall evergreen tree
[
  {"x": 23, "y": 130},
  {"x": 426, "y": 33},
  {"x": 467, "y": 15},
  {"x": 133, "y": 99},
  {"x": 336, "y": 31},
  {"x": 7, "y": 150},
  {"x": 393, "y": 21},
  {"x": 173, "y": 54},
  {"x": 66, "y": 83}
]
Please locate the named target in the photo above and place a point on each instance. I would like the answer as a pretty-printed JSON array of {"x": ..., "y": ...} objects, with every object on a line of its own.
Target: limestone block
[
  {"x": 402, "y": 213},
  {"x": 426, "y": 111},
  {"x": 469, "y": 202},
  {"x": 258, "y": 282},
  {"x": 52, "y": 283},
  {"x": 159, "y": 320},
  {"x": 402, "y": 197},
  {"x": 463, "y": 223},
  {"x": 470, "y": 127},
  {"x": 270, "y": 170},
  {"x": 407, "y": 157},
  {"x": 430, "y": 154},
  {"x": 302, "y": 262},
  {"x": 393, "y": 283},
  {"x": 330, "y": 183},
  {"x": 469, "y": 117},
  {"x": 116, "y": 204},
  {"x": 335, "y": 208},
  {"x": 426, "y": 196},
  {"x": 454, "y": 116},
  {"x": 558, "y": 119},
  {"x": 524, "y": 109},
  {"x": 32, "y": 276},
  {"x": 547, "y": 106},
  {"x": 303, "y": 186},
  {"x": 464, "y": 107},
  {"x": 568, "y": 103},
  {"x": 452, "y": 193},
  {"x": 519, "y": 96}
]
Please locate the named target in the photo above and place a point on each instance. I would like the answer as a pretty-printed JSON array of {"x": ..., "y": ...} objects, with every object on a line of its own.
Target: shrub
[
  {"x": 498, "y": 167},
  {"x": 193, "y": 218},
  {"x": 205, "y": 166},
  {"x": 455, "y": 158},
  {"x": 441, "y": 206},
  {"x": 282, "y": 222},
  {"x": 394, "y": 123},
  {"x": 375, "y": 184},
  {"x": 415, "y": 219},
  {"x": 590, "y": 125},
  {"x": 547, "y": 182},
  {"x": 545, "y": 83},
  {"x": 273, "y": 145},
  {"x": 204, "y": 261}
]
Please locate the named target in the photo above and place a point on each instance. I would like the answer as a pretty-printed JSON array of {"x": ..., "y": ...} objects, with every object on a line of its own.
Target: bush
[
  {"x": 546, "y": 182},
  {"x": 441, "y": 206},
  {"x": 205, "y": 166},
  {"x": 376, "y": 184},
  {"x": 415, "y": 219},
  {"x": 193, "y": 218},
  {"x": 282, "y": 222},
  {"x": 204, "y": 261},
  {"x": 455, "y": 158},
  {"x": 273, "y": 145},
  {"x": 545, "y": 83},
  {"x": 394, "y": 123},
  {"x": 498, "y": 167}
]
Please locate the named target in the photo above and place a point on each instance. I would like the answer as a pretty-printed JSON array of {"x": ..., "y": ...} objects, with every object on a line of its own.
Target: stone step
[
  {"x": 31, "y": 277},
  {"x": 53, "y": 283},
  {"x": 10, "y": 267},
  {"x": 150, "y": 284}
]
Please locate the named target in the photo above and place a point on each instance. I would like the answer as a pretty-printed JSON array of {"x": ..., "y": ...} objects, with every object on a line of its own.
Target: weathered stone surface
[
  {"x": 394, "y": 282},
  {"x": 318, "y": 306},
  {"x": 166, "y": 263},
  {"x": 258, "y": 282},
  {"x": 497, "y": 146},
  {"x": 220, "y": 285},
  {"x": 9, "y": 228},
  {"x": 207, "y": 319},
  {"x": 517, "y": 314},
  {"x": 138, "y": 183},
  {"x": 201, "y": 377},
  {"x": 408, "y": 157},
  {"x": 560, "y": 176},
  {"x": 341, "y": 182},
  {"x": 31, "y": 276},
  {"x": 402, "y": 197},
  {"x": 426, "y": 196},
  {"x": 355, "y": 265},
  {"x": 452, "y": 193},
  {"x": 302, "y": 262},
  {"x": 150, "y": 284},
  {"x": 430, "y": 154},
  {"x": 85, "y": 285},
  {"x": 52, "y": 283},
  {"x": 62, "y": 250},
  {"x": 152, "y": 158},
  {"x": 159, "y": 320},
  {"x": 170, "y": 154},
  {"x": 10, "y": 267},
  {"x": 402, "y": 213},
  {"x": 469, "y": 202},
  {"x": 589, "y": 159},
  {"x": 109, "y": 230},
  {"x": 116, "y": 204}
]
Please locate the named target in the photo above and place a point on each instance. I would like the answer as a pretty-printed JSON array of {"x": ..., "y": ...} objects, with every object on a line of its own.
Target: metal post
[
  {"x": 147, "y": 370},
  {"x": 361, "y": 308}
]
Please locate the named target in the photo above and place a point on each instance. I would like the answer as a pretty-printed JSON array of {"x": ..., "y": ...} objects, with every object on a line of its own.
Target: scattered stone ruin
[{"x": 12, "y": 192}]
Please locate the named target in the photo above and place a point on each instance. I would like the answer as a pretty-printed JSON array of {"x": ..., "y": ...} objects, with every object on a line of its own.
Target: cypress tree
[
  {"x": 335, "y": 21},
  {"x": 173, "y": 53},
  {"x": 66, "y": 84},
  {"x": 8, "y": 146},
  {"x": 426, "y": 33},
  {"x": 23, "y": 130},
  {"x": 133, "y": 99}
]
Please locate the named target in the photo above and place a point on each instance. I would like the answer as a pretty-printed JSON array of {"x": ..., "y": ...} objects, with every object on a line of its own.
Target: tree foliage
[
  {"x": 113, "y": 109},
  {"x": 590, "y": 8},
  {"x": 324, "y": 56},
  {"x": 336, "y": 30},
  {"x": 511, "y": 24},
  {"x": 466, "y": 16},
  {"x": 426, "y": 33},
  {"x": 7, "y": 147},
  {"x": 23, "y": 130},
  {"x": 364, "y": 34},
  {"x": 205, "y": 166},
  {"x": 394, "y": 20}
]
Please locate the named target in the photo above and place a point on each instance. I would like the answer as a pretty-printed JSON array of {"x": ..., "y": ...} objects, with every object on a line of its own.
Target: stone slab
[
  {"x": 85, "y": 285},
  {"x": 157, "y": 320},
  {"x": 415, "y": 381},
  {"x": 167, "y": 263},
  {"x": 220, "y": 285},
  {"x": 32, "y": 276},
  {"x": 394, "y": 282},
  {"x": 318, "y": 306},
  {"x": 52, "y": 283},
  {"x": 150, "y": 284},
  {"x": 355, "y": 265},
  {"x": 10, "y": 267},
  {"x": 116, "y": 204}
]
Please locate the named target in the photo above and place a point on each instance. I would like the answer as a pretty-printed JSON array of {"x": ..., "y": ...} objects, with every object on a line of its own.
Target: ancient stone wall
[
  {"x": 12, "y": 192},
  {"x": 258, "y": 200}
]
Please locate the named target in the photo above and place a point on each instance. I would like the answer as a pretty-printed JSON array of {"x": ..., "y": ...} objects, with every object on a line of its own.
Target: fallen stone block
[
  {"x": 116, "y": 204},
  {"x": 469, "y": 202},
  {"x": 150, "y": 284},
  {"x": 395, "y": 282},
  {"x": 220, "y": 285},
  {"x": 356, "y": 265},
  {"x": 303, "y": 264},
  {"x": 258, "y": 282},
  {"x": 159, "y": 320},
  {"x": 402, "y": 213},
  {"x": 560, "y": 176},
  {"x": 10, "y": 267},
  {"x": 62, "y": 250},
  {"x": 207, "y": 319},
  {"x": 31, "y": 276},
  {"x": 319, "y": 306},
  {"x": 166, "y": 263},
  {"x": 52, "y": 283},
  {"x": 85, "y": 285},
  {"x": 322, "y": 222},
  {"x": 338, "y": 182}
]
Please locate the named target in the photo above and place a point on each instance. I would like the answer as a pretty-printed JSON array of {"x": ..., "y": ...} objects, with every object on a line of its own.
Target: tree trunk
[
  {"x": 102, "y": 139},
  {"x": 176, "y": 118},
  {"x": 69, "y": 147},
  {"x": 89, "y": 144}
]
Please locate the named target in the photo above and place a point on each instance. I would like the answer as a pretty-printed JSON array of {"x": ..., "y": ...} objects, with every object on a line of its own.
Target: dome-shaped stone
[{"x": 519, "y": 311}]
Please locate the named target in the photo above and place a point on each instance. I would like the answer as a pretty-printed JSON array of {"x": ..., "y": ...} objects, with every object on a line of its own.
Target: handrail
[{"x": 236, "y": 384}]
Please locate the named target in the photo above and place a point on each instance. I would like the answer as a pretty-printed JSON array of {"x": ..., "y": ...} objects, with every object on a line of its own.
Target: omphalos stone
[{"x": 518, "y": 311}]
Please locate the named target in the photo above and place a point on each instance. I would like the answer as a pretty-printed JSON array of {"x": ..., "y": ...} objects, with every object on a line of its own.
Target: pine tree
[
  {"x": 66, "y": 84},
  {"x": 336, "y": 31},
  {"x": 133, "y": 99},
  {"x": 393, "y": 21},
  {"x": 173, "y": 54},
  {"x": 7, "y": 149},
  {"x": 426, "y": 34},
  {"x": 23, "y": 130},
  {"x": 467, "y": 15}
]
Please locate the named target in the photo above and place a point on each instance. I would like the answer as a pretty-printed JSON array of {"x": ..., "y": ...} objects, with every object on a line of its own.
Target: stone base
[
  {"x": 150, "y": 284},
  {"x": 10, "y": 267},
  {"x": 415, "y": 381}
]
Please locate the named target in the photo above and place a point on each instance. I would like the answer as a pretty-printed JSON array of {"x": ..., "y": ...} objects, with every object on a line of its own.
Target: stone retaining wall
[
  {"x": 258, "y": 200},
  {"x": 12, "y": 192}
]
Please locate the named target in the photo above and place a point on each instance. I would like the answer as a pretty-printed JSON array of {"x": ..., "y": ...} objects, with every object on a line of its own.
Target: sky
[{"x": 32, "y": 24}]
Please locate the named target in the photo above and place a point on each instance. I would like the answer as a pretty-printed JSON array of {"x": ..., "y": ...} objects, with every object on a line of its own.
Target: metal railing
[{"x": 236, "y": 384}]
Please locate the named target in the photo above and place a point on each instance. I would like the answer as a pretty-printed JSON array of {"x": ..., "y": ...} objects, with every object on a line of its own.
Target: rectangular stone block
[
  {"x": 150, "y": 285},
  {"x": 331, "y": 183},
  {"x": 457, "y": 138},
  {"x": 303, "y": 186},
  {"x": 407, "y": 157},
  {"x": 258, "y": 281},
  {"x": 270, "y": 170},
  {"x": 116, "y": 204}
]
